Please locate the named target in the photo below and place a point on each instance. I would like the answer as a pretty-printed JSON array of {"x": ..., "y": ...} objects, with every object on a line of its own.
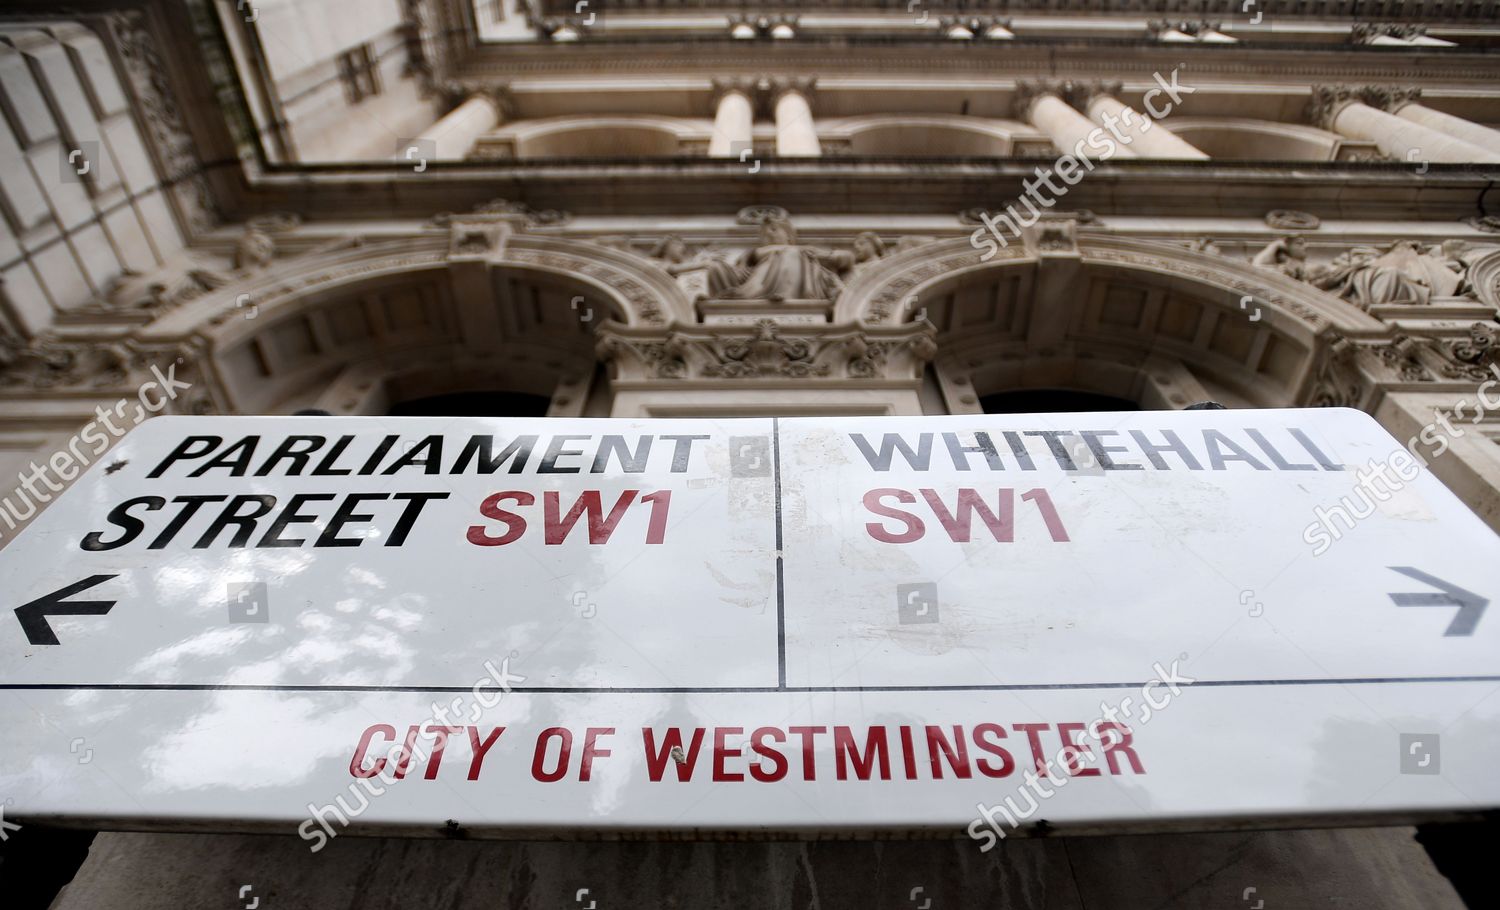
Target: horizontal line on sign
[{"x": 754, "y": 690}]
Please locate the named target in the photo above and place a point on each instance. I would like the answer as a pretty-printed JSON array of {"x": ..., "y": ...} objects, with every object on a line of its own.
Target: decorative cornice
[
  {"x": 1390, "y": 98},
  {"x": 767, "y": 351},
  {"x": 1342, "y": 10},
  {"x": 1028, "y": 92},
  {"x": 1081, "y": 93},
  {"x": 1367, "y": 32},
  {"x": 1328, "y": 101}
]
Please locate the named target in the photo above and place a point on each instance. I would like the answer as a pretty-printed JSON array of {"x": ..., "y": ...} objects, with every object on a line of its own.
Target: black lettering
[
  {"x": 290, "y": 516},
  {"x": 344, "y": 515},
  {"x": 186, "y": 449},
  {"x": 121, "y": 517},
  {"x": 260, "y": 506}
]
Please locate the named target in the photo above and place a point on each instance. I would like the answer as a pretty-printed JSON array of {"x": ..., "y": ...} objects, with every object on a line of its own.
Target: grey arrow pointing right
[{"x": 1470, "y": 605}]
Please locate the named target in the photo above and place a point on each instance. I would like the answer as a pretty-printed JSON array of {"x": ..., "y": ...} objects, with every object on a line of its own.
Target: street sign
[{"x": 976, "y": 625}]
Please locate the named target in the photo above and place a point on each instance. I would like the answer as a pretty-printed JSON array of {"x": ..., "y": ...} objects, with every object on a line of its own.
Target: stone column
[
  {"x": 1148, "y": 137},
  {"x": 734, "y": 121},
  {"x": 454, "y": 135},
  {"x": 1402, "y": 101},
  {"x": 796, "y": 133},
  {"x": 1042, "y": 106},
  {"x": 1340, "y": 109}
]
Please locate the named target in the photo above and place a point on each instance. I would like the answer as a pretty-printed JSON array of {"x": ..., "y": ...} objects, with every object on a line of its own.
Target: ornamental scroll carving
[{"x": 766, "y": 350}]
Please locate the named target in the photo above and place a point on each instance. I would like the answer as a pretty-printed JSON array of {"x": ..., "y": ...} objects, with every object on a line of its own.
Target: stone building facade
[{"x": 713, "y": 208}]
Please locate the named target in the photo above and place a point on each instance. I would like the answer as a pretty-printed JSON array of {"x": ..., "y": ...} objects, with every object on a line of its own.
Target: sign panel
[{"x": 974, "y": 625}]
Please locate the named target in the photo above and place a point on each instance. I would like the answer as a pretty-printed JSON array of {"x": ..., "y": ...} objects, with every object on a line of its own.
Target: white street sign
[{"x": 1072, "y": 622}]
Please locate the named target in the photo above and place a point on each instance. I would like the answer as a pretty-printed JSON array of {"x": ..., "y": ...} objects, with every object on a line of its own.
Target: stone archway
[
  {"x": 1150, "y": 320},
  {"x": 482, "y": 299}
]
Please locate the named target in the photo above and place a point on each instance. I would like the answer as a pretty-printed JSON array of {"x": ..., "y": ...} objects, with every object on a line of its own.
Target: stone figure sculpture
[
  {"x": 719, "y": 275},
  {"x": 1287, "y": 255},
  {"x": 1404, "y": 273},
  {"x": 780, "y": 268}
]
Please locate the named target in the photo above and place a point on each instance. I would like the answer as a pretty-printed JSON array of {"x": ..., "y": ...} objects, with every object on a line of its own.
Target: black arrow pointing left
[{"x": 33, "y": 616}]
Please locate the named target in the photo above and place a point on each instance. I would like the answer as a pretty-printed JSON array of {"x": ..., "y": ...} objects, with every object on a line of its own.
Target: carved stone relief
[{"x": 767, "y": 350}]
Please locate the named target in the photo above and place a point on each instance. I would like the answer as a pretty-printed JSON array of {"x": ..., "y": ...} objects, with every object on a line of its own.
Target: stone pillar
[
  {"x": 1340, "y": 109},
  {"x": 796, "y": 133},
  {"x": 1148, "y": 137},
  {"x": 1402, "y": 101},
  {"x": 454, "y": 135},
  {"x": 734, "y": 121},
  {"x": 1043, "y": 108}
]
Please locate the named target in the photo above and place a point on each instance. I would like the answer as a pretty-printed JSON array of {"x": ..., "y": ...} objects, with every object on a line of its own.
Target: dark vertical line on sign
[{"x": 780, "y": 576}]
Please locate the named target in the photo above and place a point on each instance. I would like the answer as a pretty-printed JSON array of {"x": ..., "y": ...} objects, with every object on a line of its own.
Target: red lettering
[
  {"x": 846, "y": 752},
  {"x": 914, "y": 527},
  {"x": 565, "y": 741},
  {"x": 722, "y": 751},
  {"x": 957, "y": 752},
  {"x": 1071, "y": 751},
  {"x": 809, "y": 763},
  {"x": 490, "y": 508},
  {"x": 480, "y": 749},
  {"x": 600, "y": 528},
  {"x": 591, "y": 750},
  {"x": 778, "y": 761},
  {"x": 959, "y": 527},
  {"x": 908, "y": 753},
  {"x": 660, "y": 501},
  {"x": 1007, "y": 764},
  {"x": 656, "y": 759},
  {"x": 408, "y": 749},
  {"x": 1049, "y": 513},
  {"x": 356, "y": 764},
  {"x": 1121, "y": 745},
  {"x": 1034, "y": 737},
  {"x": 439, "y": 743}
]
